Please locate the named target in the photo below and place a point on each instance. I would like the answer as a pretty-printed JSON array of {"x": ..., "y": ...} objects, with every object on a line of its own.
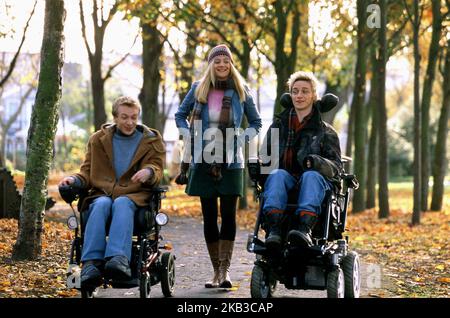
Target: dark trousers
[{"x": 227, "y": 213}]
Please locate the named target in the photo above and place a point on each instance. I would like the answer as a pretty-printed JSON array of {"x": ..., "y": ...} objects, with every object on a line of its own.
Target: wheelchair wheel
[
  {"x": 350, "y": 265},
  {"x": 144, "y": 286},
  {"x": 168, "y": 274},
  {"x": 261, "y": 285},
  {"x": 89, "y": 293},
  {"x": 336, "y": 284}
]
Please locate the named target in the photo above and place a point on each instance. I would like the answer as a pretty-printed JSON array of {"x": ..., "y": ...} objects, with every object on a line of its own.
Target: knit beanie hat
[{"x": 220, "y": 49}]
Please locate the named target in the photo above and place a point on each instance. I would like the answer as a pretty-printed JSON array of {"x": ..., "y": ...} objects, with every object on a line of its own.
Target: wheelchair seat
[{"x": 144, "y": 218}]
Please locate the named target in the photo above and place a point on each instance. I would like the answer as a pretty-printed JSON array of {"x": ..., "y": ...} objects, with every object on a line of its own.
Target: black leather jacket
[{"x": 317, "y": 141}]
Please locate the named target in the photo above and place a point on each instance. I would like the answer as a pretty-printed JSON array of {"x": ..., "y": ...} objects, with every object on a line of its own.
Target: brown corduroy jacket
[{"x": 97, "y": 171}]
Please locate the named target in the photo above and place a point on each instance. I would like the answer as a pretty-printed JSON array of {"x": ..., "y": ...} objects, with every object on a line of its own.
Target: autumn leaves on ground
[{"x": 414, "y": 260}]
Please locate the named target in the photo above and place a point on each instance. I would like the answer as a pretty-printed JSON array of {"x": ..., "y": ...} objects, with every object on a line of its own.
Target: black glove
[
  {"x": 182, "y": 177},
  {"x": 215, "y": 171}
]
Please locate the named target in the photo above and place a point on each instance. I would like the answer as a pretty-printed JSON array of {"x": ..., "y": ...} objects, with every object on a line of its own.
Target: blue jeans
[
  {"x": 313, "y": 187},
  {"x": 121, "y": 212}
]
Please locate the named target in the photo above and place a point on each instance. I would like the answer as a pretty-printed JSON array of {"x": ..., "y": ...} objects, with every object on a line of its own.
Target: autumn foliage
[{"x": 414, "y": 261}]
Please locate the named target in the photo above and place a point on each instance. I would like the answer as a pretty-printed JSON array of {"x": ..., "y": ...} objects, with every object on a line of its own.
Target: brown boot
[
  {"x": 213, "y": 250},
  {"x": 225, "y": 254}
]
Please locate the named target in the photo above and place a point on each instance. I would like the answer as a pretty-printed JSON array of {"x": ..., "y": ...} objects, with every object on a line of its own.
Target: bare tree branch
[
  {"x": 166, "y": 18},
  {"x": 16, "y": 55},
  {"x": 95, "y": 13},
  {"x": 83, "y": 32},
  {"x": 408, "y": 13},
  {"x": 113, "y": 66},
  {"x": 111, "y": 14},
  {"x": 266, "y": 55},
  {"x": 8, "y": 123},
  {"x": 262, "y": 22}
]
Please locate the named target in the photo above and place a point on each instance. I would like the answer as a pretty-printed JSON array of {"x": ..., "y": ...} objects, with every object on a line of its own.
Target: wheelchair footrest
[
  {"x": 306, "y": 252},
  {"x": 134, "y": 282}
]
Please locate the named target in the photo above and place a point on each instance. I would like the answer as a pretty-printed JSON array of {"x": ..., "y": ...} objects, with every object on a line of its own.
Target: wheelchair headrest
[{"x": 325, "y": 104}]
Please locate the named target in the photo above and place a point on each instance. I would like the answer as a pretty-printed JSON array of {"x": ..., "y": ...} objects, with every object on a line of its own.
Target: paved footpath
[{"x": 193, "y": 267}]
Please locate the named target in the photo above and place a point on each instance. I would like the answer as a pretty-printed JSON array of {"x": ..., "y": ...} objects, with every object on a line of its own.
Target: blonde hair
[
  {"x": 304, "y": 76},
  {"x": 125, "y": 101},
  {"x": 201, "y": 93}
]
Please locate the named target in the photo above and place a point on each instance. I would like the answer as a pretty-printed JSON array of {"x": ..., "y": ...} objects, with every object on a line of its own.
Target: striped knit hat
[{"x": 220, "y": 49}]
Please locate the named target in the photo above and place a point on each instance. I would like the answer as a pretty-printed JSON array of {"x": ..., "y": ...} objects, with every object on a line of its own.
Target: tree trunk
[
  {"x": 349, "y": 141},
  {"x": 41, "y": 134},
  {"x": 188, "y": 63},
  {"x": 89, "y": 112},
  {"x": 285, "y": 63},
  {"x": 337, "y": 90},
  {"x": 152, "y": 46},
  {"x": 95, "y": 58},
  {"x": 383, "y": 160},
  {"x": 98, "y": 94},
  {"x": 417, "y": 120},
  {"x": 426, "y": 99},
  {"x": 360, "y": 115},
  {"x": 440, "y": 160},
  {"x": 372, "y": 158},
  {"x": 6, "y": 125},
  {"x": 3, "y": 149}
]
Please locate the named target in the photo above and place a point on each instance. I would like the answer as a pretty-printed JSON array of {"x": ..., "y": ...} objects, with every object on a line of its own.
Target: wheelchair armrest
[
  {"x": 70, "y": 193},
  {"x": 254, "y": 170},
  {"x": 145, "y": 216},
  {"x": 144, "y": 219},
  {"x": 345, "y": 159},
  {"x": 160, "y": 189},
  {"x": 350, "y": 181}
]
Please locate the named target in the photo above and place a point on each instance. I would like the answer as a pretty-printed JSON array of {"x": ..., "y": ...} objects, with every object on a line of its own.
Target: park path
[{"x": 193, "y": 267}]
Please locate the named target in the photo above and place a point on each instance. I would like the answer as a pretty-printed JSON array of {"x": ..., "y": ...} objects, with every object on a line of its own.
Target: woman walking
[{"x": 217, "y": 102}]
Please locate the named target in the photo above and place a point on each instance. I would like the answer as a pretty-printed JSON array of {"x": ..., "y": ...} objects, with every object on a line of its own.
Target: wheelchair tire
[
  {"x": 145, "y": 286},
  {"x": 336, "y": 284},
  {"x": 89, "y": 293},
  {"x": 168, "y": 274},
  {"x": 261, "y": 286},
  {"x": 350, "y": 265}
]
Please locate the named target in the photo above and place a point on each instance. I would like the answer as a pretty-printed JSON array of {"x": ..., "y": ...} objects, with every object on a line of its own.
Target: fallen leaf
[{"x": 444, "y": 279}]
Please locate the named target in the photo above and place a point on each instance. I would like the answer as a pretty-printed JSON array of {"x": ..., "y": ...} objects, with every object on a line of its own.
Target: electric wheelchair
[
  {"x": 151, "y": 263},
  {"x": 327, "y": 265}
]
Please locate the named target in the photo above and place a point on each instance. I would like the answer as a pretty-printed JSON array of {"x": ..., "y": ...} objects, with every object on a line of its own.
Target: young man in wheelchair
[
  {"x": 309, "y": 163},
  {"x": 124, "y": 161}
]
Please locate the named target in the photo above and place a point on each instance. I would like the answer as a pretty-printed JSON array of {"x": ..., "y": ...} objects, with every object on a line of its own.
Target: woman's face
[
  {"x": 302, "y": 95},
  {"x": 222, "y": 67}
]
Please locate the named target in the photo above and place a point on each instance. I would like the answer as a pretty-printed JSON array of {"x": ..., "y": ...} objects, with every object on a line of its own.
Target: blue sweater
[{"x": 124, "y": 148}]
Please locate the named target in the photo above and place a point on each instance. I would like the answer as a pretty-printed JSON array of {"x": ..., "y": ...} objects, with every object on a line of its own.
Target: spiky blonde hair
[{"x": 304, "y": 76}]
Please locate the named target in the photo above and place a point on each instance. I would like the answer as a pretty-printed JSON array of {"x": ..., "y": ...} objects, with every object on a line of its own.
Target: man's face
[
  {"x": 302, "y": 95},
  {"x": 126, "y": 119}
]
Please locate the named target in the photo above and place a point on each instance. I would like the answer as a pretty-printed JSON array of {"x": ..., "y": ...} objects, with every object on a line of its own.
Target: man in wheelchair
[
  {"x": 123, "y": 162},
  {"x": 309, "y": 164}
]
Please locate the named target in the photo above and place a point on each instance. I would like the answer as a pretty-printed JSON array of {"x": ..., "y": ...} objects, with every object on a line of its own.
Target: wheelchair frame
[
  {"x": 149, "y": 265},
  {"x": 328, "y": 265}
]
